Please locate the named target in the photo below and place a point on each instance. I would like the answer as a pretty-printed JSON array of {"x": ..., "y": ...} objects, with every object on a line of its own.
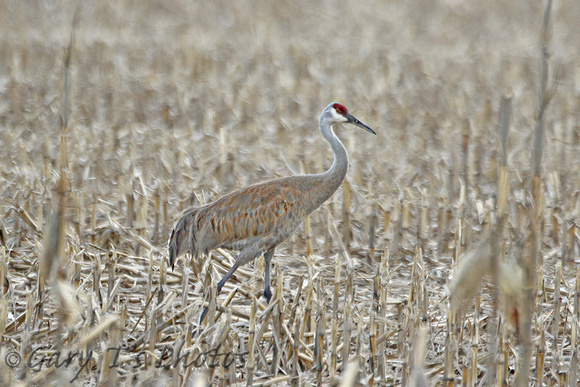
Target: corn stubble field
[{"x": 175, "y": 104}]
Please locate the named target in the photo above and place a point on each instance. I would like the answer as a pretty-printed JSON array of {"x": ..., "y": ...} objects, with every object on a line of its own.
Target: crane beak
[{"x": 354, "y": 121}]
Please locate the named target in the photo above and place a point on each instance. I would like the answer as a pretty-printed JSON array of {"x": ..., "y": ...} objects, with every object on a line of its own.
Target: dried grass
[{"x": 155, "y": 107}]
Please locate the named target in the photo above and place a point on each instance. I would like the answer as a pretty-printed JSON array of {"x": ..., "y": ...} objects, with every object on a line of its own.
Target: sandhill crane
[{"x": 256, "y": 219}]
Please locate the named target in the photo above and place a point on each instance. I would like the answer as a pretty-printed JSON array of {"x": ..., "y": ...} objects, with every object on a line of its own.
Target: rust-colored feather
[
  {"x": 269, "y": 209},
  {"x": 247, "y": 215}
]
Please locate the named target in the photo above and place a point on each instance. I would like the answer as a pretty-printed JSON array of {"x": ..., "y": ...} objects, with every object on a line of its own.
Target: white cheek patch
[{"x": 338, "y": 117}]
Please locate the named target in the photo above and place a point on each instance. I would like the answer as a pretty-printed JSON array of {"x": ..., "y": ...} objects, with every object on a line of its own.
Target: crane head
[{"x": 339, "y": 113}]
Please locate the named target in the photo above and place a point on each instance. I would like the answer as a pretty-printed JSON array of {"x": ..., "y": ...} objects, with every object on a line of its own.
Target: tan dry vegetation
[{"x": 177, "y": 103}]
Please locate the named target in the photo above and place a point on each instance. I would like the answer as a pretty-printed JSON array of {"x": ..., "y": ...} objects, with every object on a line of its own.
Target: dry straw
[{"x": 449, "y": 256}]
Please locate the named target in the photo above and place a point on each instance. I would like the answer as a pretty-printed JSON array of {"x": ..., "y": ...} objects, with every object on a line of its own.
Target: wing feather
[
  {"x": 179, "y": 240},
  {"x": 263, "y": 213},
  {"x": 250, "y": 213}
]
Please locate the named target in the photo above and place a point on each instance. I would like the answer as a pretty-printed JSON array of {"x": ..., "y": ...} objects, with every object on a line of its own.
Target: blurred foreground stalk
[{"x": 536, "y": 210}]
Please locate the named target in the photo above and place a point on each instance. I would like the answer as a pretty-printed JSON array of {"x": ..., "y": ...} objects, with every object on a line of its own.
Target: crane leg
[
  {"x": 243, "y": 257},
  {"x": 246, "y": 255},
  {"x": 267, "y": 259}
]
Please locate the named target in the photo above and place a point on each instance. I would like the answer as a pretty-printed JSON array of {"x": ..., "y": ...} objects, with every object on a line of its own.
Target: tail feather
[{"x": 179, "y": 242}]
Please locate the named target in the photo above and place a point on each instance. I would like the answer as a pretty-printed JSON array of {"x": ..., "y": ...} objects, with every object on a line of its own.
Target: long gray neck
[{"x": 335, "y": 175}]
